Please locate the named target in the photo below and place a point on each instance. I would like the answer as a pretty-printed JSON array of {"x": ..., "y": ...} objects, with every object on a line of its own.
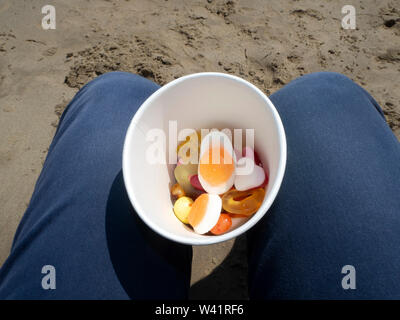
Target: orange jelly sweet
[
  {"x": 198, "y": 210},
  {"x": 243, "y": 202}
]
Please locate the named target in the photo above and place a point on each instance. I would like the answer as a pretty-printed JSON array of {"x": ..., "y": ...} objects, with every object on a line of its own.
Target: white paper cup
[{"x": 199, "y": 101}]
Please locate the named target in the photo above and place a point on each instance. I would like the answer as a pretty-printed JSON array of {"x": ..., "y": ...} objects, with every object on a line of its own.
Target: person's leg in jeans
[
  {"x": 80, "y": 220},
  {"x": 339, "y": 203}
]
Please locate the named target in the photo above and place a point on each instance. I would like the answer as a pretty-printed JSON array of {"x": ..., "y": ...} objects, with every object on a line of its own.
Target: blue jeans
[{"x": 339, "y": 204}]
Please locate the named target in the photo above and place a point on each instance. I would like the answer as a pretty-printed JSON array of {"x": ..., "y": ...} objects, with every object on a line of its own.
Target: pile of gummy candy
[{"x": 208, "y": 193}]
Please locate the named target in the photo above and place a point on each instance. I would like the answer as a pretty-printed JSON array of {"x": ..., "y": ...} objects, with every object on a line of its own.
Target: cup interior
[{"x": 198, "y": 101}]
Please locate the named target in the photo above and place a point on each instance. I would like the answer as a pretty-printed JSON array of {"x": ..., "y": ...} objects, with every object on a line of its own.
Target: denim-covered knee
[
  {"x": 324, "y": 98},
  {"x": 118, "y": 79},
  {"x": 333, "y": 84},
  {"x": 325, "y": 78},
  {"x": 122, "y": 91},
  {"x": 317, "y": 85},
  {"x": 118, "y": 88}
]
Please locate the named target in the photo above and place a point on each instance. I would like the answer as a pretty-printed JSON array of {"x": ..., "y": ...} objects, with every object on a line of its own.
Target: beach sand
[{"x": 268, "y": 43}]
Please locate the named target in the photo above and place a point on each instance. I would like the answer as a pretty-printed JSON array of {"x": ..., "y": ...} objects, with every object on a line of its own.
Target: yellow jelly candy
[
  {"x": 182, "y": 208},
  {"x": 188, "y": 150},
  {"x": 243, "y": 202},
  {"x": 182, "y": 173}
]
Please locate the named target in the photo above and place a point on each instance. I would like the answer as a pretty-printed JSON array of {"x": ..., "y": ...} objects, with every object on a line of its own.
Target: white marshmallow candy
[{"x": 251, "y": 180}]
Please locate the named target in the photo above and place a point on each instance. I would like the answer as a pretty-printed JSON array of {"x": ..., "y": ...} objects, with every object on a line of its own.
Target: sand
[{"x": 266, "y": 42}]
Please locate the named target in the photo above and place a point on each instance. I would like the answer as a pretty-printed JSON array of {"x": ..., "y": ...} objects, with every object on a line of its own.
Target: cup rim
[{"x": 270, "y": 196}]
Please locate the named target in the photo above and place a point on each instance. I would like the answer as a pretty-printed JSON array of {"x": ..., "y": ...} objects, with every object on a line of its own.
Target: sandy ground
[{"x": 266, "y": 42}]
